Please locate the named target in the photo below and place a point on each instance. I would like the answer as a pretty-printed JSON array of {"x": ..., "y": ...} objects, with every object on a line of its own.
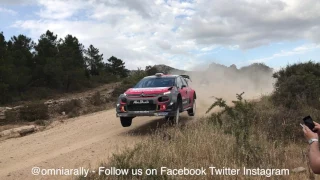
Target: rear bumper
[{"x": 145, "y": 113}]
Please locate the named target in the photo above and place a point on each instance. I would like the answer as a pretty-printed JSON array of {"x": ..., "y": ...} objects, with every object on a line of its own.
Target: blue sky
[{"x": 182, "y": 34}]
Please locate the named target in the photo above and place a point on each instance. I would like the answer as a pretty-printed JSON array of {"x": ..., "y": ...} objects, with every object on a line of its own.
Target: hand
[
  {"x": 317, "y": 127},
  {"x": 308, "y": 134}
]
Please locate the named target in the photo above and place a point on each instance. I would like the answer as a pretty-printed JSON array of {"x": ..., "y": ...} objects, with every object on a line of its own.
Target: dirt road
[{"x": 85, "y": 141}]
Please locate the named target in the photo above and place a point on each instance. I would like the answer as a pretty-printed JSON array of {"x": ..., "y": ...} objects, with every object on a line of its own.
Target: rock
[
  {"x": 298, "y": 169},
  {"x": 25, "y": 130},
  {"x": 48, "y": 102},
  {"x": 6, "y": 133},
  {"x": 16, "y": 107},
  {"x": 63, "y": 113}
]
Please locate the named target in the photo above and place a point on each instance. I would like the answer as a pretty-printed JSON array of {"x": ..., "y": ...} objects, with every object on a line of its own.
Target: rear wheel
[
  {"x": 192, "y": 111},
  {"x": 126, "y": 121}
]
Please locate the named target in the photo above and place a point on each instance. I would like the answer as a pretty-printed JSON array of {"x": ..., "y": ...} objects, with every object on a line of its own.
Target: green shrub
[
  {"x": 297, "y": 83},
  {"x": 34, "y": 111},
  {"x": 237, "y": 120},
  {"x": 279, "y": 123}
]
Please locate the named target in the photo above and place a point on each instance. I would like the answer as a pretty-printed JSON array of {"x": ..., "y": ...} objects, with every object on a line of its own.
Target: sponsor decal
[
  {"x": 161, "y": 114},
  {"x": 139, "y": 112},
  {"x": 141, "y": 102}
]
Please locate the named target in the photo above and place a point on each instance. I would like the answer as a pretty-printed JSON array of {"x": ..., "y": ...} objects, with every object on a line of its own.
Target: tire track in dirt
[{"x": 84, "y": 141}]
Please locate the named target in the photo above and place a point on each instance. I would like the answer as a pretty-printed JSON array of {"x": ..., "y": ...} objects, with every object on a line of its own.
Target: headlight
[
  {"x": 166, "y": 93},
  {"x": 124, "y": 100},
  {"x": 124, "y": 94},
  {"x": 163, "y": 98}
]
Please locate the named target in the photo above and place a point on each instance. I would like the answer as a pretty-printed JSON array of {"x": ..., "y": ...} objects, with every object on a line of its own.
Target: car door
[
  {"x": 187, "y": 91},
  {"x": 183, "y": 91}
]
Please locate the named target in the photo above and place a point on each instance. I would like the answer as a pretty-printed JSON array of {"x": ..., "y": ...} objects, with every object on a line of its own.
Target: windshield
[{"x": 155, "y": 82}]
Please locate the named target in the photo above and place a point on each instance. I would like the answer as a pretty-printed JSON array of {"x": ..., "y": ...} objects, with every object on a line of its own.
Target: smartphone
[{"x": 309, "y": 123}]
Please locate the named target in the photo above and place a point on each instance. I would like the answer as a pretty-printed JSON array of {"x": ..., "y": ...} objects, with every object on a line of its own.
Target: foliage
[
  {"x": 151, "y": 70},
  {"x": 96, "y": 99},
  {"x": 12, "y": 116},
  {"x": 70, "y": 106},
  {"x": 52, "y": 64},
  {"x": 237, "y": 121},
  {"x": 94, "y": 61},
  {"x": 129, "y": 82},
  {"x": 34, "y": 111},
  {"x": 296, "y": 83},
  {"x": 116, "y": 67}
]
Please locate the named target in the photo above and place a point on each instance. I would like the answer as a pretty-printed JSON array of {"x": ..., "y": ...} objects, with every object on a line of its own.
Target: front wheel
[
  {"x": 192, "y": 111},
  {"x": 175, "y": 119},
  {"x": 126, "y": 121}
]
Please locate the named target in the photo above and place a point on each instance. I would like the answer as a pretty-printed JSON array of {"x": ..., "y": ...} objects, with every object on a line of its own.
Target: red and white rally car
[{"x": 158, "y": 95}]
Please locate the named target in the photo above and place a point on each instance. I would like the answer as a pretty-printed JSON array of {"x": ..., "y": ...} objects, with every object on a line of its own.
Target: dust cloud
[{"x": 215, "y": 80}]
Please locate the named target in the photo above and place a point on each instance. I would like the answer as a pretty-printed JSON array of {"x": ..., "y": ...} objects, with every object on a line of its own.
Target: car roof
[{"x": 163, "y": 76}]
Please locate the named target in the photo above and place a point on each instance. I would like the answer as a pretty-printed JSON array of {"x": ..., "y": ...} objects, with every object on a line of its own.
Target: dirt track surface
[{"x": 85, "y": 141}]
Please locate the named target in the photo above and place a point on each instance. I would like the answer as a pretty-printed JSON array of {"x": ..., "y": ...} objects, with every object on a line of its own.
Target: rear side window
[
  {"x": 184, "y": 82},
  {"x": 179, "y": 82}
]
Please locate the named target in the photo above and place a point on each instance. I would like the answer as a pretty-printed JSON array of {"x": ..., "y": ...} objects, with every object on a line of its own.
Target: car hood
[{"x": 156, "y": 90}]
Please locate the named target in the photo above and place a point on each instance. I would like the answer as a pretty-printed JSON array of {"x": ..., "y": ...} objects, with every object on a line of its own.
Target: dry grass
[
  {"x": 243, "y": 138},
  {"x": 203, "y": 145}
]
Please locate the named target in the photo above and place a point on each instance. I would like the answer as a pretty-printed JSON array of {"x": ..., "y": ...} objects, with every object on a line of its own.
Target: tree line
[{"x": 30, "y": 70}]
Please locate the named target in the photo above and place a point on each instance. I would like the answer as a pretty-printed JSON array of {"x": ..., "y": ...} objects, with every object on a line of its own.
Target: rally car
[{"x": 157, "y": 95}]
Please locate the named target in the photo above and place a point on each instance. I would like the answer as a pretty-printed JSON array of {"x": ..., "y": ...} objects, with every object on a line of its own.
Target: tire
[
  {"x": 174, "y": 120},
  {"x": 192, "y": 111},
  {"x": 126, "y": 121}
]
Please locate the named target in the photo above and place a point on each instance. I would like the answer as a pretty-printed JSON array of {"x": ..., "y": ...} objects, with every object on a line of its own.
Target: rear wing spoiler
[{"x": 186, "y": 77}]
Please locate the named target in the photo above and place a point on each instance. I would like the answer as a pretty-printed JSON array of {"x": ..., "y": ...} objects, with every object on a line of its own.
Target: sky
[{"x": 180, "y": 33}]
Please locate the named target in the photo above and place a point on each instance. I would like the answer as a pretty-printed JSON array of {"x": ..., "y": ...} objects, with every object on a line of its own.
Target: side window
[
  {"x": 179, "y": 82},
  {"x": 184, "y": 82}
]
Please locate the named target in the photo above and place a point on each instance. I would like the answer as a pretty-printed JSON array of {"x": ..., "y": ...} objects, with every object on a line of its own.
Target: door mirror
[{"x": 183, "y": 86}]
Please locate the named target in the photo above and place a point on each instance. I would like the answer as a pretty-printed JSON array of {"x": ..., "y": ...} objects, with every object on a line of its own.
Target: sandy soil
[{"x": 85, "y": 141}]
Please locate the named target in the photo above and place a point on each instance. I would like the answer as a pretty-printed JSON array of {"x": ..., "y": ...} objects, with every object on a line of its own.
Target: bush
[
  {"x": 237, "y": 120},
  {"x": 279, "y": 123},
  {"x": 96, "y": 99},
  {"x": 73, "y": 113},
  {"x": 40, "y": 122},
  {"x": 12, "y": 116},
  {"x": 297, "y": 83},
  {"x": 34, "y": 111},
  {"x": 70, "y": 106},
  {"x": 104, "y": 78}
]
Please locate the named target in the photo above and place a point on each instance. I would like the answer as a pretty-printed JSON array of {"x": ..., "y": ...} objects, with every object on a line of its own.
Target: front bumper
[
  {"x": 136, "y": 107},
  {"x": 144, "y": 113}
]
